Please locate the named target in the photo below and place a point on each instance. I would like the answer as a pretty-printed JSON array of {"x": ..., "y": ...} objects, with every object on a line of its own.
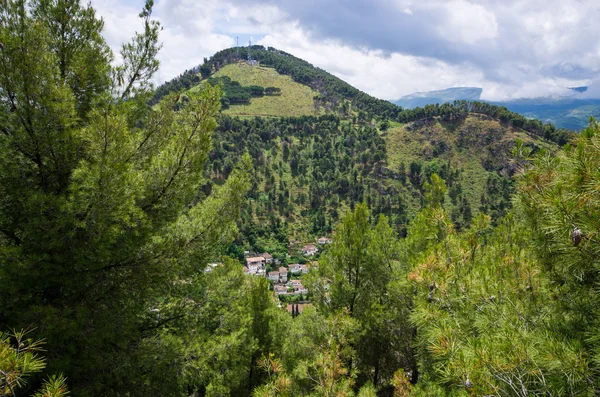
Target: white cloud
[
  {"x": 513, "y": 48},
  {"x": 188, "y": 33},
  {"x": 387, "y": 77},
  {"x": 468, "y": 23},
  {"x": 120, "y": 22}
]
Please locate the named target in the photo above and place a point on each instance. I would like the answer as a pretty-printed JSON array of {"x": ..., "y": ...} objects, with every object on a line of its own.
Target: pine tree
[
  {"x": 559, "y": 196},
  {"x": 19, "y": 359},
  {"x": 484, "y": 323},
  {"x": 100, "y": 215},
  {"x": 356, "y": 274}
]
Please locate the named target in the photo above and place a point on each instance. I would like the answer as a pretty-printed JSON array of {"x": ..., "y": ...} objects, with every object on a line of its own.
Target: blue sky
[{"x": 390, "y": 48}]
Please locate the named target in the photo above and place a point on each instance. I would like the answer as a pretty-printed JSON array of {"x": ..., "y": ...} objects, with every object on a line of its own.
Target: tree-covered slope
[
  {"x": 342, "y": 147},
  {"x": 309, "y": 170},
  {"x": 477, "y": 146},
  {"x": 108, "y": 222}
]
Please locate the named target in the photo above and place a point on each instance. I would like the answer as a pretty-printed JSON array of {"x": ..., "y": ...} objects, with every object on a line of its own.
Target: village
[{"x": 286, "y": 281}]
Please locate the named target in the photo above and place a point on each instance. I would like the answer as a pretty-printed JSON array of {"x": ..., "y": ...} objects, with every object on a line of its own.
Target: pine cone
[{"x": 576, "y": 236}]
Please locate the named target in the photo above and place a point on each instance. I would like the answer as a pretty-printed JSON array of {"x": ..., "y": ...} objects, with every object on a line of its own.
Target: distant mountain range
[{"x": 564, "y": 112}]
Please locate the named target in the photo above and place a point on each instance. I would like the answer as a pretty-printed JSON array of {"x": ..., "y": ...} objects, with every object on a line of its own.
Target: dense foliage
[
  {"x": 307, "y": 170},
  {"x": 110, "y": 210},
  {"x": 19, "y": 358},
  {"x": 100, "y": 216},
  {"x": 184, "y": 81}
]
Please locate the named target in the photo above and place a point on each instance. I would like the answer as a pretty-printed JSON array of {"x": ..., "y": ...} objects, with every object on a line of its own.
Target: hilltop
[
  {"x": 320, "y": 146},
  {"x": 331, "y": 94}
]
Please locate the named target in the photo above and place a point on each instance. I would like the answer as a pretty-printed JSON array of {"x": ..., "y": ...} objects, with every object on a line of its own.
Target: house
[
  {"x": 283, "y": 275},
  {"x": 256, "y": 261},
  {"x": 304, "y": 269},
  {"x": 274, "y": 276},
  {"x": 268, "y": 258},
  {"x": 300, "y": 290},
  {"x": 309, "y": 249},
  {"x": 280, "y": 289},
  {"x": 295, "y": 283},
  {"x": 253, "y": 269},
  {"x": 294, "y": 268},
  {"x": 324, "y": 240},
  {"x": 256, "y": 265}
]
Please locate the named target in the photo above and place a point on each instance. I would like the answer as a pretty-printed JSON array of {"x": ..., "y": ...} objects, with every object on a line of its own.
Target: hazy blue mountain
[
  {"x": 570, "y": 113},
  {"x": 579, "y": 89},
  {"x": 564, "y": 112},
  {"x": 420, "y": 99}
]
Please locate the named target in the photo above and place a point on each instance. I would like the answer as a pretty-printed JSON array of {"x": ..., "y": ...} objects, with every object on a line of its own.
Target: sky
[{"x": 389, "y": 48}]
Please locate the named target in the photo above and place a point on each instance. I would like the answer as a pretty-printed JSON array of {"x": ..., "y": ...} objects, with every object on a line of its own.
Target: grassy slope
[
  {"x": 295, "y": 99},
  {"x": 470, "y": 143}
]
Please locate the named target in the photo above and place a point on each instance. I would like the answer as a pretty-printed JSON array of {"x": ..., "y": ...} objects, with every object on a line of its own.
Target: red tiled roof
[{"x": 255, "y": 259}]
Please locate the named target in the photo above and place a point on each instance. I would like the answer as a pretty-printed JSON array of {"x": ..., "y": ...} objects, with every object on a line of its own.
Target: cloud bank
[{"x": 390, "y": 48}]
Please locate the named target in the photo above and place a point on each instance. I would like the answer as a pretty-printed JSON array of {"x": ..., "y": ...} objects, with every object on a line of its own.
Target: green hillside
[
  {"x": 308, "y": 170},
  {"x": 335, "y": 96},
  {"x": 478, "y": 146},
  {"x": 462, "y": 249},
  {"x": 322, "y": 146},
  {"x": 295, "y": 99}
]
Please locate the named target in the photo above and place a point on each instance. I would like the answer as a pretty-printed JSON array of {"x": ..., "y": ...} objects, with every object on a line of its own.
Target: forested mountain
[
  {"x": 308, "y": 170},
  {"x": 463, "y": 258},
  {"x": 348, "y": 147}
]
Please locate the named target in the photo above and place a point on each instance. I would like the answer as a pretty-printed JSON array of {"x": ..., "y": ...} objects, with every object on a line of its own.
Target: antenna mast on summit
[{"x": 249, "y": 50}]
